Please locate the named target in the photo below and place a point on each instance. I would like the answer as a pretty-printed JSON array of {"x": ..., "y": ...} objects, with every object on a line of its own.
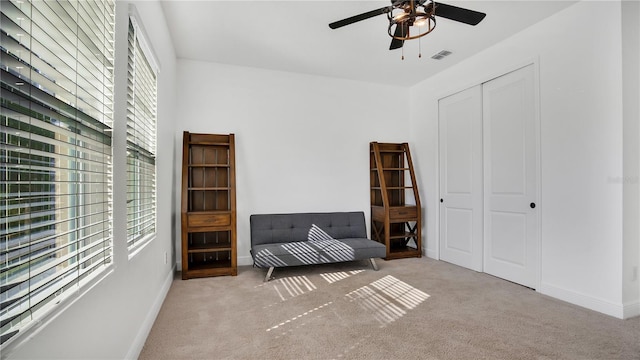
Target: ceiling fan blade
[
  {"x": 401, "y": 32},
  {"x": 459, "y": 14},
  {"x": 363, "y": 16}
]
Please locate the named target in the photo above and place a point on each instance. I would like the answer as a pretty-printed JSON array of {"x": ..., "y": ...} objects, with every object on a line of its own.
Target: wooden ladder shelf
[
  {"x": 208, "y": 205},
  {"x": 395, "y": 202}
]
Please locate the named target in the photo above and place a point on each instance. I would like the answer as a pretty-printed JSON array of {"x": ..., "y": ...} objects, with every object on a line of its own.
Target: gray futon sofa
[{"x": 279, "y": 240}]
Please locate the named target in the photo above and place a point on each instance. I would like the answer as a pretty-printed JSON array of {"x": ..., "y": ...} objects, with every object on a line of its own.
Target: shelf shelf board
[
  {"x": 218, "y": 188},
  {"x": 208, "y": 165},
  {"x": 208, "y": 248},
  {"x": 381, "y": 207},
  {"x": 209, "y": 268},
  {"x": 390, "y": 151},
  {"x": 218, "y": 264},
  {"x": 392, "y": 169},
  {"x": 406, "y": 235},
  {"x": 208, "y": 143},
  {"x": 392, "y": 187},
  {"x": 209, "y": 212}
]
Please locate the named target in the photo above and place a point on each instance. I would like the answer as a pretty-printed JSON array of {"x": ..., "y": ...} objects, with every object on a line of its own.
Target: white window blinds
[
  {"x": 55, "y": 153},
  {"x": 141, "y": 142}
]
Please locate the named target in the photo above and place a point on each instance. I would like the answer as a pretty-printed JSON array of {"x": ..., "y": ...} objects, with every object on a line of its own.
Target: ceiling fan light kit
[
  {"x": 409, "y": 20},
  {"x": 420, "y": 17}
]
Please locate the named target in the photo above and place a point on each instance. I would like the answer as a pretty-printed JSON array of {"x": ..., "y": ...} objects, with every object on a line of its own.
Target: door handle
[{"x": 532, "y": 205}]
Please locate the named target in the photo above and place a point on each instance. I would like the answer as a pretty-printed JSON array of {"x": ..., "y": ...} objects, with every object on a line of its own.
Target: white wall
[
  {"x": 112, "y": 319},
  {"x": 580, "y": 74},
  {"x": 301, "y": 141},
  {"x": 631, "y": 154},
  {"x": 302, "y": 145}
]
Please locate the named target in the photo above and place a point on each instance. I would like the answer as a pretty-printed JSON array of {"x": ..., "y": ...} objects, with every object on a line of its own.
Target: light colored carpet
[{"x": 409, "y": 309}]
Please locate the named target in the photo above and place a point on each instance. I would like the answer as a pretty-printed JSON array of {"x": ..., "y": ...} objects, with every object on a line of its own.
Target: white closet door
[
  {"x": 460, "y": 133},
  {"x": 510, "y": 177}
]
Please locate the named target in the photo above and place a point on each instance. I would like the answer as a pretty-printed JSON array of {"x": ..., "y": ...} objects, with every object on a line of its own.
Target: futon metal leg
[
  {"x": 269, "y": 272},
  {"x": 373, "y": 264}
]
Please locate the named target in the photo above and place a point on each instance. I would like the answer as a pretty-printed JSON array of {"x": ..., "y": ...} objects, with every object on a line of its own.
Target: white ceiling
[{"x": 294, "y": 36}]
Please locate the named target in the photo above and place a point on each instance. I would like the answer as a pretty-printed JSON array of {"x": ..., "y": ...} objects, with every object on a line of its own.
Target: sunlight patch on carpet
[
  {"x": 403, "y": 293},
  {"x": 292, "y": 286},
  {"x": 388, "y": 299},
  {"x": 339, "y": 275},
  {"x": 295, "y": 319}
]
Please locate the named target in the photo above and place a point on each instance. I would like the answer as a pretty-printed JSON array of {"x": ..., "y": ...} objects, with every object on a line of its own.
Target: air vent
[{"x": 441, "y": 55}]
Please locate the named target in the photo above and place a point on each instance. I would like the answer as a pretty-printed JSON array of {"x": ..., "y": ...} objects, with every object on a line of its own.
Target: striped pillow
[{"x": 317, "y": 234}]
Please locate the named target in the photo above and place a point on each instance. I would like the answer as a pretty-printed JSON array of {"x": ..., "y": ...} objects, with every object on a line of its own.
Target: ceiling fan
[{"x": 417, "y": 14}]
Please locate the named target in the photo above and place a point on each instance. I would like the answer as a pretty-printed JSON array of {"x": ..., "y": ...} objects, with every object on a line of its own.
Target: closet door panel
[
  {"x": 460, "y": 133},
  {"x": 510, "y": 174}
]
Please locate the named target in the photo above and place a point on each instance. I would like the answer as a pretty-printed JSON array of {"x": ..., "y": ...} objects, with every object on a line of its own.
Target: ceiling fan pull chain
[
  {"x": 402, "y": 52},
  {"x": 419, "y": 48}
]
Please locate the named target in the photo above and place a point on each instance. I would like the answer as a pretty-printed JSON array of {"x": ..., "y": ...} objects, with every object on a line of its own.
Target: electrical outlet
[
  {"x": 634, "y": 275},
  {"x": 165, "y": 257}
]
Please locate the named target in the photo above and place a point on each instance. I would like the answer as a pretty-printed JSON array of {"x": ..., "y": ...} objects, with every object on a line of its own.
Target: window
[
  {"x": 56, "y": 113},
  {"x": 141, "y": 141}
]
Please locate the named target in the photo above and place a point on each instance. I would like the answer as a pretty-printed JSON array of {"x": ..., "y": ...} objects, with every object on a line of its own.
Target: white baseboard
[
  {"x": 630, "y": 310},
  {"x": 433, "y": 254},
  {"x": 586, "y": 301},
  {"x": 245, "y": 260},
  {"x": 145, "y": 328}
]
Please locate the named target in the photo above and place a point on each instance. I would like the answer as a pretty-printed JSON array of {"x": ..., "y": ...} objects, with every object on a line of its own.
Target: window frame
[
  {"x": 63, "y": 110},
  {"x": 140, "y": 39}
]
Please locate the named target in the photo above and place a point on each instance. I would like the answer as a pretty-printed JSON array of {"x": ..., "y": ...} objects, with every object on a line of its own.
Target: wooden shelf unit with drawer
[
  {"x": 208, "y": 205},
  {"x": 395, "y": 202}
]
